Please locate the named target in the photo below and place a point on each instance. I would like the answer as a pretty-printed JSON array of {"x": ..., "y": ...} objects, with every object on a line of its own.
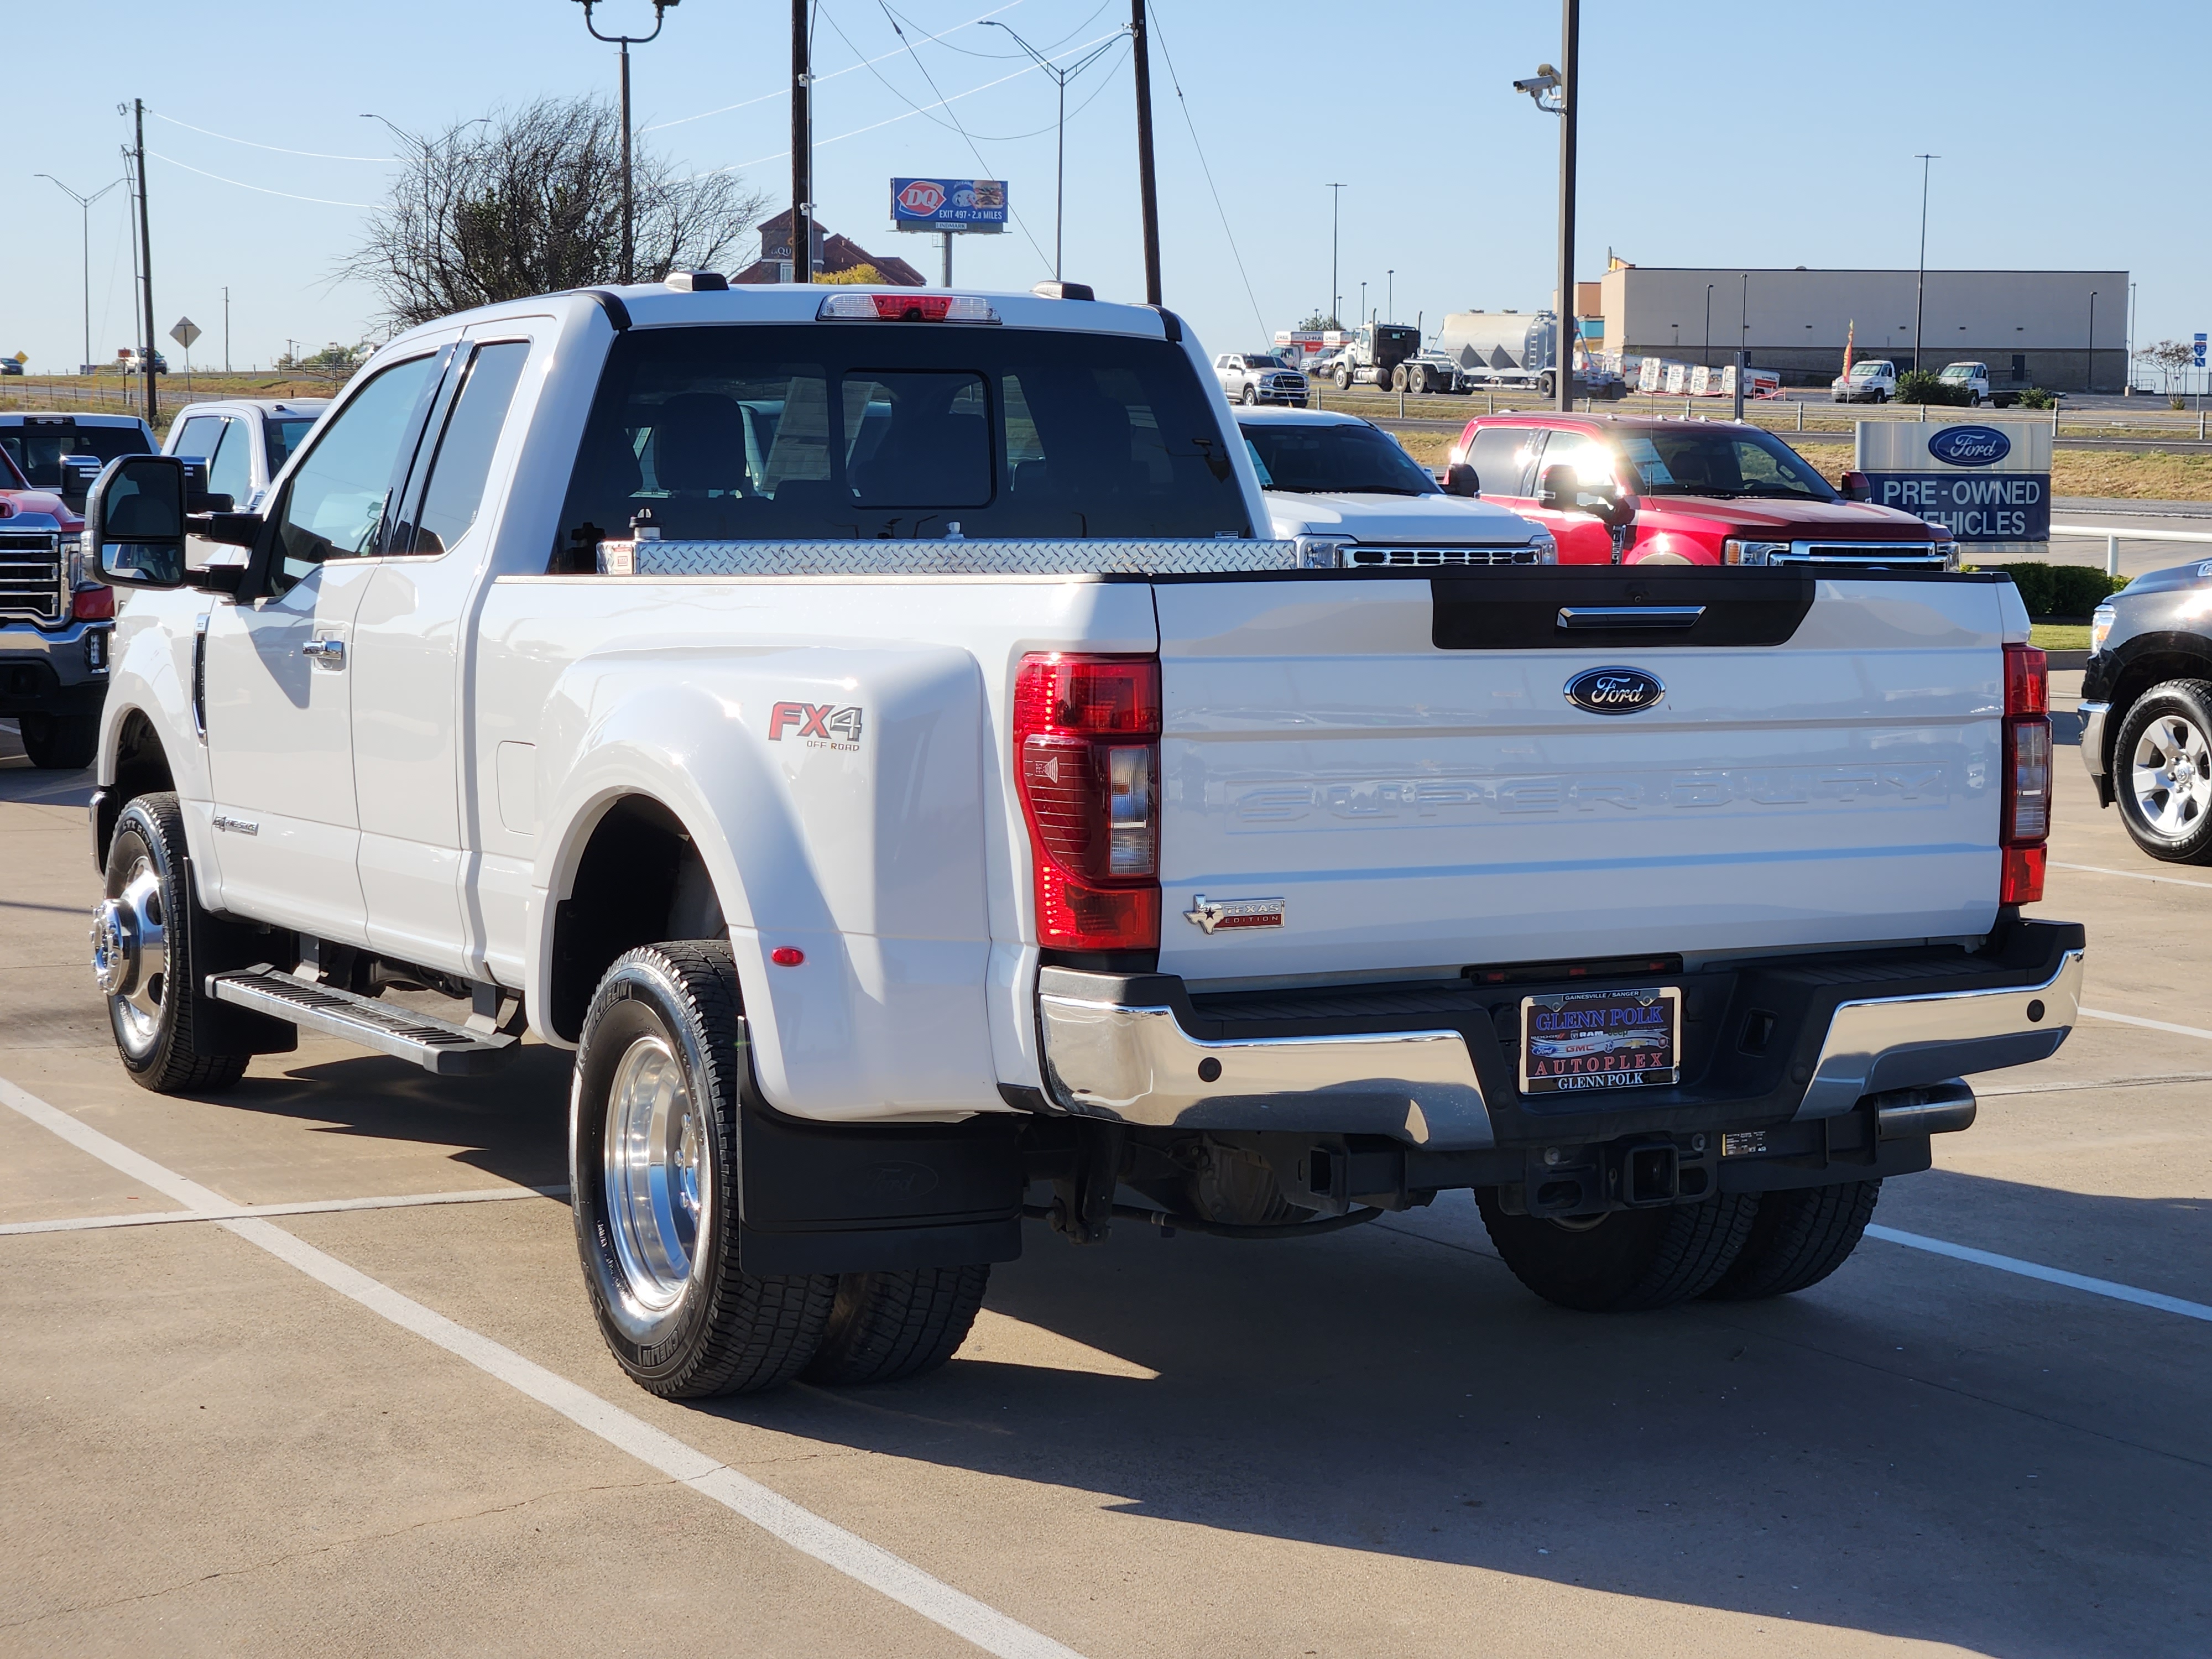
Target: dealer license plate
[{"x": 1578, "y": 1040}]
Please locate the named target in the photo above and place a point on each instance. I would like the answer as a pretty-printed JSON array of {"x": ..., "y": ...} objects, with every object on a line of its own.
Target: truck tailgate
[{"x": 1415, "y": 804}]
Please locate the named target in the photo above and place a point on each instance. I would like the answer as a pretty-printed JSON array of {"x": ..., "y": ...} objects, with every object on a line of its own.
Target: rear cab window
[{"x": 866, "y": 431}]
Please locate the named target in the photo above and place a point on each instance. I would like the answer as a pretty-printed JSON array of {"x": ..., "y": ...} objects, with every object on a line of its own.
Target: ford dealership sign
[
  {"x": 1988, "y": 483},
  {"x": 1969, "y": 446}
]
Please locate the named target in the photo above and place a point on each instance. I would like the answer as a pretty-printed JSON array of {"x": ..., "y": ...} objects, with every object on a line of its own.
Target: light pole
[
  {"x": 1920, "y": 278},
  {"x": 84, "y": 206},
  {"x": 626, "y": 41},
  {"x": 2089, "y": 379},
  {"x": 1335, "y": 291},
  {"x": 1061, "y": 77},
  {"x": 1559, "y": 84},
  {"x": 1707, "y": 356},
  {"x": 1363, "y": 303},
  {"x": 1390, "y": 295}
]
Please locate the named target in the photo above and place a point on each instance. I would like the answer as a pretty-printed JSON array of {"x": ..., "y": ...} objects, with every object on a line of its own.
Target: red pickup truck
[{"x": 1688, "y": 492}]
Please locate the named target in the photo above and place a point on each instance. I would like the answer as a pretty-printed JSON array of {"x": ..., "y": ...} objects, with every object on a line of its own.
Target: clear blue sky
[{"x": 1714, "y": 132}]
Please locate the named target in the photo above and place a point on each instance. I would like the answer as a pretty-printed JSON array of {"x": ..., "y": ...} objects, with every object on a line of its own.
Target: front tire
[
  {"x": 1344, "y": 379},
  {"x": 1797, "y": 1239},
  {"x": 2162, "y": 772},
  {"x": 885, "y": 1327},
  {"x": 141, "y": 956},
  {"x": 1249, "y": 399},
  {"x": 1623, "y": 1260},
  {"x": 653, "y": 1127},
  {"x": 60, "y": 742}
]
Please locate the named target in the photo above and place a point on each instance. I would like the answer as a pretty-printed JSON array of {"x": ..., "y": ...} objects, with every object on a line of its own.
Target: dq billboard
[{"x": 958, "y": 204}]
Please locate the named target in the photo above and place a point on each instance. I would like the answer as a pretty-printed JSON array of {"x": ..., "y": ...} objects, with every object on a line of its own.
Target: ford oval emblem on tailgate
[
  {"x": 1615, "y": 690},
  {"x": 1969, "y": 446}
]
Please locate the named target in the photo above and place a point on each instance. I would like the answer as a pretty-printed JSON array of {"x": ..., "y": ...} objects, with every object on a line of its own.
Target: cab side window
[
  {"x": 230, "y": 469},
  {"x": 461, "y": 467},
  {"x": 334, "y": 506},
  {"x": 1504, "y": 458}
]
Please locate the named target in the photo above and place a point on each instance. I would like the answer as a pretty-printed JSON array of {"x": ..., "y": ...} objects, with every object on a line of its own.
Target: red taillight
[
  {"x": 93, "y": 604},
  {"x": 2026, "y": 812},
  {"x": 1086, "y": 761}
]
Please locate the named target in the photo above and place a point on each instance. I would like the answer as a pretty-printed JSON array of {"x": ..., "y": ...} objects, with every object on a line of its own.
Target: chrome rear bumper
[{"x": 1120, "y": 1048}]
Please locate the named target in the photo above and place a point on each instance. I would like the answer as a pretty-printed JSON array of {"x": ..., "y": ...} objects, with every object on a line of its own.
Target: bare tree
[
  {"x": 2172, "y": 359},
  {"x": 529, "y": 201}
]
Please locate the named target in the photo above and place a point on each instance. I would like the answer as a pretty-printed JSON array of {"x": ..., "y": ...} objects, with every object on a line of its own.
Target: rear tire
[
  {"x": 1547, "y": 385},
  {"x": 2162, "y": 771},
  {"x": 1623, "y": 1260},
  {"x": 885, "y": 1327},
  {"x": 653, "y": 1128},
  {"x": 1797, "y": 1239},
  {"x": 60, "y": 742},
  {"x": 142, "y": 936}
]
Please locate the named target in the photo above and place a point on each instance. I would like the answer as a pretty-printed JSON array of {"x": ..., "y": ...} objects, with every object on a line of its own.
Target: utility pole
[
  {"x": 625, "y": 42},
  {"x": 2089, "y": 376},
  {"x": 1706, "y": 356},
  {"x": 1335, "y": 289},
  {"x": 1061, "y": 77},
  {"x": 1147, "y": 190},
  {"x": 84, "y": 212},
  {"x": 1571, "y": 98},
  {"x": 1920, "y": 280},
  {"x": 226, "y": 331},
  {"x": 802, "y": 159},
  {"x": 146, "y": 266}
]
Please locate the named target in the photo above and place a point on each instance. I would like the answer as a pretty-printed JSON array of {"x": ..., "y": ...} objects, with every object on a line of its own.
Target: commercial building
[{"x": 2063, "y": 329}]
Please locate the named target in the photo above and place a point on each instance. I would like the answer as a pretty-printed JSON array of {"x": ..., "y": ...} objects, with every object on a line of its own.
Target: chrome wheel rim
[
  {"x": 2171, "y": 776},
  {"x": 131, "y": 955},
  {"x": 656, "y": 1169}
]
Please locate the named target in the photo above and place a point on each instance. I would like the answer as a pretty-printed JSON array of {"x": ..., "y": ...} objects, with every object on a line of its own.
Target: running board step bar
[{"x": 436, "y": 1045}]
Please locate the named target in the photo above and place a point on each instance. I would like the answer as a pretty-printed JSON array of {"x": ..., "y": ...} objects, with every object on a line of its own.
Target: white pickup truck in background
[{"x": 877, "y": 732}]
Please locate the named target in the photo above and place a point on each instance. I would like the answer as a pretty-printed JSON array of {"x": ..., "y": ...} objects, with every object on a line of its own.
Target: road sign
[
  {"x": 186, "y": 332},
  {"x": 2199, "y": 346},
  {"x": 25, "y": 357},
  {"x": 949, "y": 204}
]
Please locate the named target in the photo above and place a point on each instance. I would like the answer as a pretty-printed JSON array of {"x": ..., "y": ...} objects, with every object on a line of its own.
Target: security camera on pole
[{"x": 1559, "y": 86}]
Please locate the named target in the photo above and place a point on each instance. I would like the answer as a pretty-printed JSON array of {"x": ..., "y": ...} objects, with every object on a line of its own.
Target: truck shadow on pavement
[{"x": 1918, "y": 1448}]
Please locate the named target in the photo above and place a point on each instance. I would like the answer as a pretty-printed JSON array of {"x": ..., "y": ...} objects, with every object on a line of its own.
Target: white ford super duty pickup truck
[{"x": 876, "y": 732}]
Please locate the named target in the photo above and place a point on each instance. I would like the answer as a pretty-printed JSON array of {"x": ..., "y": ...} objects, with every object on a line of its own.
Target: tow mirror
[
  {"x": 134, "y": 521},
  {"x": 1460, "y": 479},
  {"x": 1561, "y": 489},
  {"x": 1857, "y": 487},
  {"x": 1557, "y": 487},
  {"x": 79, "y": 473}
]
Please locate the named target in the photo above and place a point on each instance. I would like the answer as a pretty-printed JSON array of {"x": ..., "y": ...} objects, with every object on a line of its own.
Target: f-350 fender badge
[{"x": 1220, "y": 915}]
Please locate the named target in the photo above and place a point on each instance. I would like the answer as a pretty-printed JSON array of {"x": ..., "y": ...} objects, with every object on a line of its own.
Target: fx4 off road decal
[{"x": 819, "y": 726}]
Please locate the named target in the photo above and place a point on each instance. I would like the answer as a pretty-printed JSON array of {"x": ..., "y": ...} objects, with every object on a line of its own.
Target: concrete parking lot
[{"x": 394, "y": 1430}]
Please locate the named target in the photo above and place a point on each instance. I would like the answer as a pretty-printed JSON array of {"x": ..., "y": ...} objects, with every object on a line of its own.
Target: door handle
[
  {"x": 326, "y": 654},
  {"x": 1630, "y": 616}
]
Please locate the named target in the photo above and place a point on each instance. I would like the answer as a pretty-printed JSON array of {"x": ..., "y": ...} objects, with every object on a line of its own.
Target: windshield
[
  {"x": 870, "y": 431},
  {"x": 1351, "y": 459},
  {"x": 1869, "y": 371},
  {"x": 1961, "y": 371},
  {"x": 1723, "y": 462},
  {"x": 38, "y": 449},
  {"x": 285, "y": 432}
]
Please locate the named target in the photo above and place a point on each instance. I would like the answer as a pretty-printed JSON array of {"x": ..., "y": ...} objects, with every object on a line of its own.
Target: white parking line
[
  {"x": 2149, "y": 1025},
  {"x": 2012, "y": 1264},
  {"x": 82, "y": 1223},
  {"x": 800, "y": 1528},
  {"x": 2128, "y": 875}
]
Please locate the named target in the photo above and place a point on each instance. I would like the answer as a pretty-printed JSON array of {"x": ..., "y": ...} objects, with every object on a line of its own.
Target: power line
[
  {"x": 323, "y": 200},
  {"x": 1004, "y": 56},
  {"x": 970, "y": 143},
  {"x": 782, "y": 92},
  {"x": 314, "y": 155},
  {"x": 922, "y": 110},
  {"x": 1184, "y": 104}
]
